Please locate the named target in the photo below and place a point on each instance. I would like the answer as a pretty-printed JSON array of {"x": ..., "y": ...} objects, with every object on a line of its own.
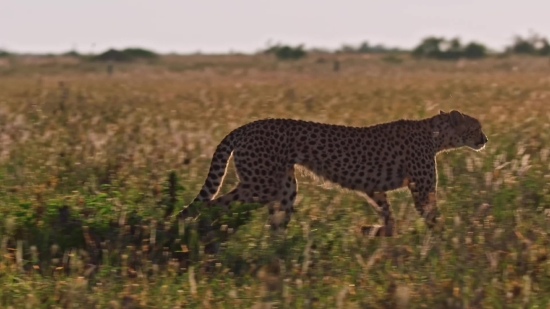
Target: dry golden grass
[{"x": 84, "y": 158}]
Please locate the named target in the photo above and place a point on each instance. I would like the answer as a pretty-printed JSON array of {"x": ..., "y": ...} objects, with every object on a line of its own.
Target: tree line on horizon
[{"x": 431, "y": 47}]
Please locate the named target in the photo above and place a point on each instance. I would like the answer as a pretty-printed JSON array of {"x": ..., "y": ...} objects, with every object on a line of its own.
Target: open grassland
[{"x": 86, "y": 194}]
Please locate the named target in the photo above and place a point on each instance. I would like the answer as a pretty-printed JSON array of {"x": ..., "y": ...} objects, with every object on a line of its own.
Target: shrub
[
  {"x": 125, "y": 55},
  {"x": 440, "y": 48},
  {"x": 286, "y": 52},
  {"x": 71, "y": 53},
  {"x": 475, "y": 50},
  {"x": 532, "y": 45},
  {"x": 112, "y": 55},
  {"x": 429, "y": 48},
  {"x": 140, "y": 53},
  {"x": 544, "y": 50},
  {"x": 365, "y": 47},
  {"x": 522, "y": 46},
  {"x": 4, "y": 53}
]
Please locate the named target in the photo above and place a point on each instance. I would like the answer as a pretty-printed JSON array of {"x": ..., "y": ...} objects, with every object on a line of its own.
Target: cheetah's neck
[{"x": 441, "y": 132}]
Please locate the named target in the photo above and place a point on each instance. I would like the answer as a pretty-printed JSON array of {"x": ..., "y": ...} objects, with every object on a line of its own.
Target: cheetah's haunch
[{"x": 370, "y": 160}]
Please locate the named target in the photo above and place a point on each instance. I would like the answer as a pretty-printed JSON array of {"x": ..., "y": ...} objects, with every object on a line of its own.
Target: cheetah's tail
[{"x": 218, "y": 166}]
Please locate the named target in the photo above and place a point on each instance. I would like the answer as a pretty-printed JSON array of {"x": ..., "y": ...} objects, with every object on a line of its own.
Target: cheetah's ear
[
  {"x": 456, "y": 117},
  {"x": 441, "y": 112}
]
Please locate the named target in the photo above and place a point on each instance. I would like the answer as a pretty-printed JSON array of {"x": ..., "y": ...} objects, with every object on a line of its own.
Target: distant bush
[
  {"x": 4, "y": 53},
  {"x": 319, "y": 50},
  {"x": 429, "y": 48},
  {"x": 475, "y": 50},
  {"x": 365, "y": 47},
  {"x": 140, "y": 53},
  {"x": 544, "y": 50},
  {"x": 532, "y": 45},
  {"x": 440, "y": 48},
  {"x": 522, "y": 47},
  {"x": 112, "y": 55},
  {"x": 125, "y": 55},
  {"x": 71, "y": 53},
  {"x": 285, "y": 52}
]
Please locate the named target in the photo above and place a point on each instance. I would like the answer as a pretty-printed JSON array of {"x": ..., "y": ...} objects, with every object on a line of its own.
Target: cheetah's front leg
[
  {"x": 423, "y": 189},
  {"x": 280, "y": 217},
  {"x": 425, "y": 203}
]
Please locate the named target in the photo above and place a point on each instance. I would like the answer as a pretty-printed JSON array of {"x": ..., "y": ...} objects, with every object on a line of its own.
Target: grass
[{"x": 93, "y": 165}]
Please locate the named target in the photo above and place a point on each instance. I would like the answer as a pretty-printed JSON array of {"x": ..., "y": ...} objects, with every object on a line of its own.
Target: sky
[{"x": 219, "y": 26}]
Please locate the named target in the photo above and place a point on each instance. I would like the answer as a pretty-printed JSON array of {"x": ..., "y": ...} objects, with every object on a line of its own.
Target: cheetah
[{"x": 371, "y": 161}]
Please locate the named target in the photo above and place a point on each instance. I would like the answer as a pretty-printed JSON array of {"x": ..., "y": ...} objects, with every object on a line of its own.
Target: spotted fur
[{"x": 371, "y": 160}]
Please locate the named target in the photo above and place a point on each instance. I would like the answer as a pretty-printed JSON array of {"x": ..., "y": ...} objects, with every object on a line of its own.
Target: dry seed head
[
  {"x": 448, "y": 171},
  {"x": 544, "y": 154},
  {"x": 340, "y": 297},
  {"x": 54, "y": 249},
  {"x": 469, "y": 164},
  {"x": 232, "y": 293},
  {"x": 10, "y": 224},
  {"x": 402, "y": 296},
  {"x": 456, "y": 242},
  {"x": 489, "y": 178},
  {"x": 457, "y": 221},
  {"x": 31, "y": 301}
]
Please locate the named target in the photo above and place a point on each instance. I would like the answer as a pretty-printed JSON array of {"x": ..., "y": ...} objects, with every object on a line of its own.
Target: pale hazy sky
[{"x": 246, "y": 25}]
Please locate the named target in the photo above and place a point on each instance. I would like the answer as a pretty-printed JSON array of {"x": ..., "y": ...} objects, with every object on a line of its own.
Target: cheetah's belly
[{"x": 367, "y": 176}]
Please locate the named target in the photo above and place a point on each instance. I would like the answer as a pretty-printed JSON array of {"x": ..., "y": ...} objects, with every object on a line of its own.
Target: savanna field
[{"x": 95, "y": 166}]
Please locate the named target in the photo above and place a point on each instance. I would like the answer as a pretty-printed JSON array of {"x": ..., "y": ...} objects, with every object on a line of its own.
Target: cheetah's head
[{"x": 465, "y": 130}]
